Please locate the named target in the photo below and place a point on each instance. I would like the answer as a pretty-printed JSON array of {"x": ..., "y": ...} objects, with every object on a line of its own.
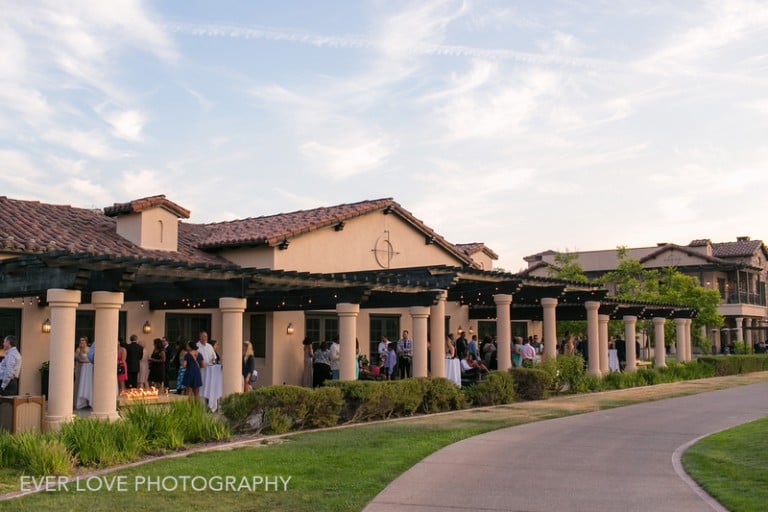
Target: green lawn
[
  {"x": 738, "y": 455},
  {"x": 333, "y": 470}
]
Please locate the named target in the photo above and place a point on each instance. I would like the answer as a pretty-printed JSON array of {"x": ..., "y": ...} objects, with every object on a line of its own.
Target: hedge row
[{"x": 735, "y": 364}]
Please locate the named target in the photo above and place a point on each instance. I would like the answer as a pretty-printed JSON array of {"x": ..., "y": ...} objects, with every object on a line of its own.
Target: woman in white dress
[{"x": 83, "y": 375}]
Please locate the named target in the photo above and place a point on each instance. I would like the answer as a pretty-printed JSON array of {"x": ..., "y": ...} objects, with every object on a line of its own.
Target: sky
[{"x": 527, "y": 126}]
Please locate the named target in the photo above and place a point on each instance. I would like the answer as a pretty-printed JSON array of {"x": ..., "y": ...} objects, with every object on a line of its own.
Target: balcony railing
[{"x": 746, "y": 298}]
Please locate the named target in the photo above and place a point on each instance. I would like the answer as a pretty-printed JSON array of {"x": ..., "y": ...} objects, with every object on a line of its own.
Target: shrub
[
  {"x": 324, "y": 407},
  {"x": 566, "y": 372},
  {"x": 441, "y": 395},
  {"x": 36, "y": 454},
  {"x": 495, "y": 389},
  {"x": 103, "y": 443},
  {"x": 531, "y": 383},
  {"x": 271, "y": 409},
  {"x": 590, "y": 383},
  {"x": 735, "y": 364}
]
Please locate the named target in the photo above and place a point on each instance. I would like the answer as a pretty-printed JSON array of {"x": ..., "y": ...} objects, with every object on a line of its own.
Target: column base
[
  {"x": 109, "y": 416},
  {"x": 54, "y": 423}
]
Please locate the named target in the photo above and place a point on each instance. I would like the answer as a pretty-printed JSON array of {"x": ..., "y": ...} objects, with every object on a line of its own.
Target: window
[
  {"x": 383, "y": 325},
  {"x": 320, "y": 328},
  {"x": 186, "y": 327},
  {"x": 10, "y": 324},
  {"x": 85, "y": 325},
  {"x": 259, "y": 335}
]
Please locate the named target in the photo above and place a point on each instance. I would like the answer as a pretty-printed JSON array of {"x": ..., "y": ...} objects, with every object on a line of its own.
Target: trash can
[{"x": 22, "y": 412}]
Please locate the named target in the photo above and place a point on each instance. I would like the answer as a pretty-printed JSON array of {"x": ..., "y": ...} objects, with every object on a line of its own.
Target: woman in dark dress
[
  {"x": 193, "y": 379},
  {"x": 157, "y": 365}
]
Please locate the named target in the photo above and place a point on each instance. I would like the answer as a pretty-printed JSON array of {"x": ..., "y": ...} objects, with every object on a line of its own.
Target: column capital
[
  {"x": 592, "y": 305},
  {"x": 107, "y": 300},
  {"x": 419, "y": 311},
  {"x": 548, "y": 302},
  {"x": 630, "y": 319},
  {"x": 603, "y": 319},
  {"x": 679, "y": 321},
  {"x": 440, "y": 295},
  {"x": 347, "y": 309},
  {"x": 658, "y": 320},
  {"x": 502, "y": 299},
  {"x": 60, "y": 297},
  {"x": 232, "y": 305}
]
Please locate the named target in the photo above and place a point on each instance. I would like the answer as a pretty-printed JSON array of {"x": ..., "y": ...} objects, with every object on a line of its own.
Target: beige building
[
  {"x": 737, "y": 270},
  {"x": 353, "y": 272}
]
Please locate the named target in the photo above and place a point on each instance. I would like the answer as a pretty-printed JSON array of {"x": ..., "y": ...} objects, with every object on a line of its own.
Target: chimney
[
  {"x": 742, "y": 239},
  {"x": 150, "y": 222}
]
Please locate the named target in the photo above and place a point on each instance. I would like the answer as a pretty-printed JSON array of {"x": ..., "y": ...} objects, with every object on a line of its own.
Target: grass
[
  {"x": 339, "y": 469},
  {"x": 734, "y": 455}
]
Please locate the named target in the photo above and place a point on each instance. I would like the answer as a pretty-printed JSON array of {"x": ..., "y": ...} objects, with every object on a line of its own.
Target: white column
[
  {"x": 593, "y": 338},
  {"x": 63, "y": 305},
  {"x": 503, "y": 331},
  {"x": 739, "y": 329},
  {"x": 419, "y": 316},
  {"x": 688, "y": 348},
  {"x": 748, "y": 333},
  {"x": 602, "y": 321},
  {"x": 437, "y": 330},
  {"x": 658, "y": 338},
  {"x": 550, "y": 327},
  {"x": 232, "y": 310},
  {"x": 680, "y": 349},
  {"x": 630, "y": 324},
  {"x": 107, "y": 306},
  {"x": 347, "y": 335}
]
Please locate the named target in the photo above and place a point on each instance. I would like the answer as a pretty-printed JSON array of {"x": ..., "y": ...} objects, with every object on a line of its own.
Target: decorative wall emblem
[{"x": 383, "y": 250}]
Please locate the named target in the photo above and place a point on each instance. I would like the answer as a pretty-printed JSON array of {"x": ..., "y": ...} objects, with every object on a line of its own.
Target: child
[{"x": 391, "y": 360}]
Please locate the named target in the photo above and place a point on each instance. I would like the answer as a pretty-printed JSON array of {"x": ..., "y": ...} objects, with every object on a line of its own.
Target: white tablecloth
[
  {"x": 84, "y": 391},
  {"x": 613, "y": 360},
  {"x": 211, "y": 389},
  {"x": 453, "y": 371}
]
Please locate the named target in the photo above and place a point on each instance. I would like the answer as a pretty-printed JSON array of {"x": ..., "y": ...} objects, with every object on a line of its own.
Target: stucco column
[
  {"x": 419, "y": 316},
  {"x": 593, "y": 338},
  {"x": 107, "y": 306},
  {"x": 658, "y": 342},
  {"x": 739, "y": 329},
  {"x": 602, "y": 321},
  {"x": 347, "y": 335},
  {"x": 437, "y": 330},
  {"x": 630, "y": 325},
  {"x": 503, "y": 331},
  {"x": 748, "y": 332},
  {"x": 232, "y": 310},
  {"x": 550, "y": 327},
  {"x": 61, "y": 368},
  {"x": 688, "y": 338},
  {"x": 680, "y": 348}
]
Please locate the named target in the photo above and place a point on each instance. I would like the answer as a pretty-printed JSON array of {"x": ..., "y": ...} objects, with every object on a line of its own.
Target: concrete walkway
[{"x": 613, "y": 460}]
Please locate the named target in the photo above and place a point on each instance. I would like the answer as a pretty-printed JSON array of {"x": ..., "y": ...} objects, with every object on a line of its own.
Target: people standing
[
  {"x": 83, "y": 395},
  {"x": 122, "y": 367},
  {"x": 309, "y": 354},
  {"x": 205, "y": 349},
  {"x": 157, "y": 365},
  {"x": 527, "y": 353},
  {"x": 134, "y": 353},
  {"x": 391, "y": 364},
  {"x": 335, "y": 357},
  {"x": 472, "y": 347},
  {"x": 249, "y": 365},
  {"x": 10, "y": 367},
  {"x": 322, "y": 368},
  {"x": 168, "y": 349},
  {"x": 193, "y": 376},
  {"x": 405, "y": 355},
  {"x": 461, "y": 346}
]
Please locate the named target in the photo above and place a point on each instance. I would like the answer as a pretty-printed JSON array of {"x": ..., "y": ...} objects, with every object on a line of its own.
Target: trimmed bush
[
  {"x": 496, "y": 388},
  {"x": 590, "y": 383},
  {"x": 531, "y": 383},
  {"x": 441, "y": 395},
  {"x": 735, "y": 364},
  {"x": 566, "y": 373},
  {"x": 324, "y": 407}
]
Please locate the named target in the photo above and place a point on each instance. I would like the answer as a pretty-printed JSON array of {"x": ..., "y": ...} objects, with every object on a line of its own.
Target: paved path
[{"x": 613, "y": 460}]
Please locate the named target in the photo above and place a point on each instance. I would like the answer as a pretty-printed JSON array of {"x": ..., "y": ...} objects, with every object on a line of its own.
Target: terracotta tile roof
[
  {"x": 38, "y": 228},
  {"x": 474, "y": 247},
  {"x": 138, "y": 205},
  {"x": 273, "y": 229},
  {"x": 691, "y": 252},
  {"x": 739, "y": 248}
]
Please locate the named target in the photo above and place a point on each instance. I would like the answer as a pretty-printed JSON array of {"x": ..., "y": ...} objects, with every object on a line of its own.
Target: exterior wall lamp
[
  {"x": 460, "y": 331},
  {"x": 147, "y": 328},
  {"x": 46, "y": 327},
  {"x": 289, "y": 330}
]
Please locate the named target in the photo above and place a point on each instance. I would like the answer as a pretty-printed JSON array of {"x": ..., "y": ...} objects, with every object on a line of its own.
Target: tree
[{"x": 567, "y": 266}]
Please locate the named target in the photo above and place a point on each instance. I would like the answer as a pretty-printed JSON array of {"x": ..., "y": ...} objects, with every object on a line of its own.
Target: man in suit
[
  {"x": 168, "y": 349},
  {"x": 134, "y": 352}
]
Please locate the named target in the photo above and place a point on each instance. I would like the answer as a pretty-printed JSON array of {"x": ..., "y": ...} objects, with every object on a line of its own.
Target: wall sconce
[
  {"x": 471, "y": 331},
  {"x": 289, "y": 330},
  {"x": 460, "y": 331},
  {"x": 339, "y": 226},
  {"x": 147, "y": 327},
  {"x": 284, "y": 244},
  {"x": 46, "y": 327}
]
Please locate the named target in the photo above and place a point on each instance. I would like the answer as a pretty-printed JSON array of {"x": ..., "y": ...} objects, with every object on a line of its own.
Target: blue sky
[{"x": 524, "y": 125}]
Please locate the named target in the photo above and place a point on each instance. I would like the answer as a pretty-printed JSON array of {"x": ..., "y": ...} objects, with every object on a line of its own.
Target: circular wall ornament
[{"x": 383, "y": 251}]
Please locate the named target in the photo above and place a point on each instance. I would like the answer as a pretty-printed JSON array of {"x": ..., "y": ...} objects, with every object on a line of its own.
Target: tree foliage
[{"x": 567, "y": 266}]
